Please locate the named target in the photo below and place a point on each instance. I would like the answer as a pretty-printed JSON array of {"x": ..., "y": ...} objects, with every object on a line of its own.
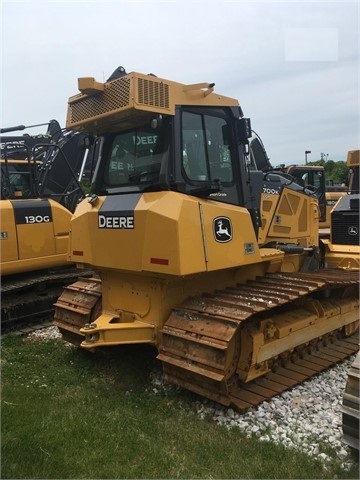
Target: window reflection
[{"x": 135, "y": 157}]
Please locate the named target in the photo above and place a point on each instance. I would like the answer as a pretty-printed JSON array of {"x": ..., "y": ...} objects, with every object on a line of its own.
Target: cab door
[{"x": 314, "y": 179}]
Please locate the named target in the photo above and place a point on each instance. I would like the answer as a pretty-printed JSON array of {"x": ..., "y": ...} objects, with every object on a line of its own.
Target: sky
[{"x": 293, "y": 65}]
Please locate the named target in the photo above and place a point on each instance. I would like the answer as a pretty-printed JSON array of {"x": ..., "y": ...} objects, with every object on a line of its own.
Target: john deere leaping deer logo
[
  {"x": 353, "y": 230},
  {"x": 222, "y": 229}
]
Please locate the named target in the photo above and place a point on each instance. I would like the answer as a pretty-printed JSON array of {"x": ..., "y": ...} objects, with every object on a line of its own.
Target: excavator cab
[
  {"x": 18, "y": 179},
  {"x": 19, "y": 169}
]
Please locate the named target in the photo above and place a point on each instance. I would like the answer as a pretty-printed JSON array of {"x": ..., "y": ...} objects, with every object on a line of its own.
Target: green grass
[{"x": 67, "y": 413}]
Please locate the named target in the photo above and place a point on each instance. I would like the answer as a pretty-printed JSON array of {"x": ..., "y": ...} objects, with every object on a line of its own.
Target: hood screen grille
[
  {"x": 154, "y": 94},
  {"x": 119, "y": 97},
  {"x": 113, "y": 98}
]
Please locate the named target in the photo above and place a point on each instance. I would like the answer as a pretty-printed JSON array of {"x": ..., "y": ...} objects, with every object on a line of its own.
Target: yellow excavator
[
  {"x": 188, "y": 258},
  {"x": 39, "y": 191}
]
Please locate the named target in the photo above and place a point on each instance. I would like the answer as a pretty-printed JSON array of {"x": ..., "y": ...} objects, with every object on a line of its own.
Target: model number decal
[
  {"x": 270, "y": 191},
  {"x": 37, "y": 219},
  {"x": 124, "y": 222},
  {"x": 32, "y": 212}
]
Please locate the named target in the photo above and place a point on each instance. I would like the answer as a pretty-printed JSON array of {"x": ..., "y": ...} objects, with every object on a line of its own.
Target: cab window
[
  {"x": 205, "y": 153},
  {"x": 134, "y": 157}
]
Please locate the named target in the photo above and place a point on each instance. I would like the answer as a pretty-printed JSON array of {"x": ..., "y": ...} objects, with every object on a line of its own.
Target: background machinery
[
  {"x": 332, "y": 194},
  {"x": 40, "y": 187},
  {"x": 342, "y": 248},
  {"x": 309, "y": 177},
  {"x": 335, "y": 192},
  {"x": 187, "y": 260}
]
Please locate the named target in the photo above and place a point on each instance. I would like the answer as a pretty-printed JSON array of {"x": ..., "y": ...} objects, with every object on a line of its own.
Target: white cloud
[{"x": 241, "y": 46}]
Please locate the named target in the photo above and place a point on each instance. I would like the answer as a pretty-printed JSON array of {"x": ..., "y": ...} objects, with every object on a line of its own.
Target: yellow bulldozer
[{"x": 232, "y": 297}]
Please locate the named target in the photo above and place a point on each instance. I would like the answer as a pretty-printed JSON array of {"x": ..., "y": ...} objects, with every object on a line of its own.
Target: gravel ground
[
  {"x": 308, "y": 417},
  {"x": 46, "y": 333}
]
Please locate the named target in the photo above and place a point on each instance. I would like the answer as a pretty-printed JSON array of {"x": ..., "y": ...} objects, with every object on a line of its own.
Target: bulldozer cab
[
  {"x": 160, "y": 135},
  {"x": 192, "y": 152},
  {"x": 200, "y": 151}
]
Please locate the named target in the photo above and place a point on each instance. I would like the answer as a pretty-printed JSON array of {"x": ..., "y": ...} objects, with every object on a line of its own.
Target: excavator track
[
  {"x": 236, "y": 346},
  {"x": 28, "y": 297}
]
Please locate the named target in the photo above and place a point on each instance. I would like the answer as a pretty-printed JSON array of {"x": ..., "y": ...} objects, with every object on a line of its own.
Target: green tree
[{"x": 340, "y": 172}]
